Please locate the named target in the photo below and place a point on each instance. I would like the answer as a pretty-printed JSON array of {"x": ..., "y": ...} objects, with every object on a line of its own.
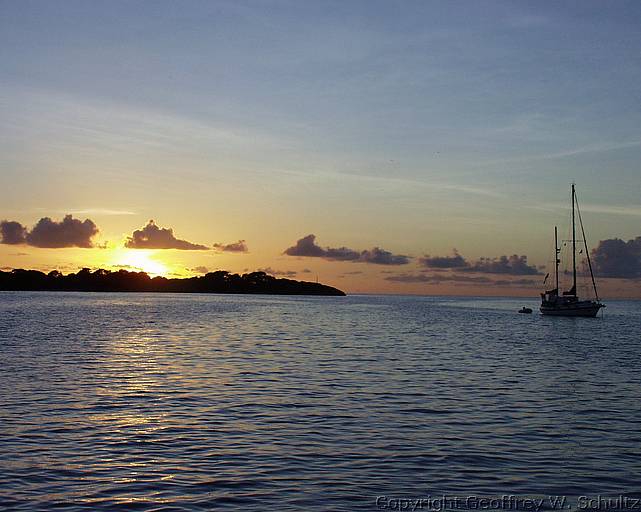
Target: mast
[
  {"x": 573, "y": 246},
  {"x": 556, "y": 260}
]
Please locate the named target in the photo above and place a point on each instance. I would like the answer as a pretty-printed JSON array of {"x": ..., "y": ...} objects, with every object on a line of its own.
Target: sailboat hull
[{"x": 583, "y": 308}]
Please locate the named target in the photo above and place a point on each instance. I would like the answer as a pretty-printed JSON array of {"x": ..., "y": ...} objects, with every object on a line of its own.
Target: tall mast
[
  {"x": 556, "y": 260},
  {"x": 573, "y": 246}
]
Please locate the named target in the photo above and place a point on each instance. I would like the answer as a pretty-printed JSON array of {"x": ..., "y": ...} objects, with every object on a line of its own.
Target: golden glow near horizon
[{"x": 139, "y": 259}]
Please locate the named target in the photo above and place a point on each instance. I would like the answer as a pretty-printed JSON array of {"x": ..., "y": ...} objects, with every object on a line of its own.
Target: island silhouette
[{"x": 102, "y": 280}]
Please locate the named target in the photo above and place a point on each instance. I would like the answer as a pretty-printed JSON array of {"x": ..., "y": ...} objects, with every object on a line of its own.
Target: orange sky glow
[{"x": 392, "y": 148}]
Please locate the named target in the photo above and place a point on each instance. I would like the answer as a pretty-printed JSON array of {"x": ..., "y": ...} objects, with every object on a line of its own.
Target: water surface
[{"x": 201, "y": 402}]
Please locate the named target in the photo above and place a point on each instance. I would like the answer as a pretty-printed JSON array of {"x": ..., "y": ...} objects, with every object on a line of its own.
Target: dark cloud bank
[
  {"x": 13, "y": 233},
  {"x": 616, "y": 258},
  {"x": 307, "y": 247},
  {"x": 154, "y": 237},
  {"x": 240, "y": 246},
  {"x": 459, "y": 279},
  {"x": 514, "y": 265},
  {"x": 70, "y": 232},
  {"x": 456, "y": 269},
  {"x": 611, "y": 258},
  {"x": 48, "y": 233},
  {"x": 455, "y": 261}
]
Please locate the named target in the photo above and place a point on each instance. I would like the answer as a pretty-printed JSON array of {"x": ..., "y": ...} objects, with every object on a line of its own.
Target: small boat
[
  {"x": 568, "y": 303},
  {"x": 525, "y": 310}
]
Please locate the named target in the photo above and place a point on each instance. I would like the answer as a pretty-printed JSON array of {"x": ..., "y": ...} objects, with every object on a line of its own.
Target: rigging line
[{"x": 587, "y": 253}]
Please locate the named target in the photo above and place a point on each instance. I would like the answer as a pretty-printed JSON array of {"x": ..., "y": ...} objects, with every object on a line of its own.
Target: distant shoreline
[{"x": 221, "y": 282}]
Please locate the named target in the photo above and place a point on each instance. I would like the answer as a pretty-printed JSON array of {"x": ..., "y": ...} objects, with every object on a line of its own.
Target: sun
[{"x": 140, "y": 259}]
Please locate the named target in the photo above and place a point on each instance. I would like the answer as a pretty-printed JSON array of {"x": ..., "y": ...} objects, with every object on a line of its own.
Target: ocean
[{"x": 212, "y": 402}]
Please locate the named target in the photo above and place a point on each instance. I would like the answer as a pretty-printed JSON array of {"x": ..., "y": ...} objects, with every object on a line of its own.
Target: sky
[{"x": 417, "y": 143}]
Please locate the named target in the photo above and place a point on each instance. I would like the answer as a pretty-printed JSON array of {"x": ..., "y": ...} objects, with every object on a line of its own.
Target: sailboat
[{"x": 568, "y": 302}]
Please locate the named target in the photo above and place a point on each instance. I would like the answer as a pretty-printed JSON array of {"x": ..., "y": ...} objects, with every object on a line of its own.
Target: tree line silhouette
[{"x": 102, "y": 280}]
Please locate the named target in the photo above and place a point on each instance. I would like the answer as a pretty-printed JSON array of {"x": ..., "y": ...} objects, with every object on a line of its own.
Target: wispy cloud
[
  {"x": 629, "y": 210},
  {"x": 86, "y": 211},
  {"x": 101, "y": 211},
  {"x": 612, "y": 210},
  {"x": 570, "y": 152},
  {"x": 396, "y": 180},
  {"x": 119, "y": 126}
]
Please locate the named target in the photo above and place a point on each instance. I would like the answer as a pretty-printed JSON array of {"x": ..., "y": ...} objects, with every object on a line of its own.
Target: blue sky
[{"x": 418, "y": 126}]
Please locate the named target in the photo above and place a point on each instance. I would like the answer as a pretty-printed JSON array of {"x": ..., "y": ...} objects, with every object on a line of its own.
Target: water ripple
[{"x": 199, "y": 402}]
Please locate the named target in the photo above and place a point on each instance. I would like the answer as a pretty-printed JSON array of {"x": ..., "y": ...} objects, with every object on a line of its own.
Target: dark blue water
[{"x": 205, "y": 402}]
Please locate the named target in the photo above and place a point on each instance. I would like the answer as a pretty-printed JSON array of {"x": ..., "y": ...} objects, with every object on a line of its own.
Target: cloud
[
  {"x": 271, "y": 271},
  {"x": 458, "y": 279},
  {"x": 454, "y": 261},
  {"x": 12, "y": 232},
  {"x": 240, "y": 246},
  {"x": 379, "y": 256},
  {"x": 628, "y": 210},
  {"x": 436, "y": 279},
  {"x": 306, "y": 247},
  {"x": 199, "y": 270},
  {"x": 126, "y": 267},
  {"x": 616, "y": 258},
  {"x": 68, "y": 233},
  {"x": 101, "y": 211},
  {"x": 153, "y": 237},
  {"x": 47, "y": 233},
  {"x": 517, "y": 282},
  {"x": 341, "y": 254},
  {"x": 513, "y": 265},
  {"x": 599, "y": 147}
]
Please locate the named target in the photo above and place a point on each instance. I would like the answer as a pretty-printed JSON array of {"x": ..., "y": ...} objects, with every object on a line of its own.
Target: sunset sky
[{"x": 392, "y": 132}]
